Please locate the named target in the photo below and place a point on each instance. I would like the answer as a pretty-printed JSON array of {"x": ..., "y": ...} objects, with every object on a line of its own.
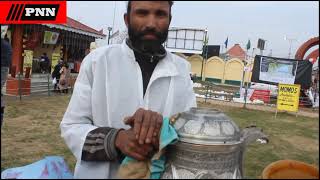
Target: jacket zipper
[{"x": 141, "y": 99}]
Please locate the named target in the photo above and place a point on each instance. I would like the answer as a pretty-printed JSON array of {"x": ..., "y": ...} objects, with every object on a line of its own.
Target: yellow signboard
[
  {"x": 55, "y": 59},
  {"x": 27, "y": 60},
  {"x": 288, "y": 97}
]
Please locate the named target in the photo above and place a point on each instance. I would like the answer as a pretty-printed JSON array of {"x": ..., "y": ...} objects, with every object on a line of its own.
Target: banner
[
  {"x": 186, "y": 40},
  {"x": 55, "y": 59},
  {"x": 50, "y": 37},
  {"x": 288, "y": 97},
  {"x": 277, "y": 70}
]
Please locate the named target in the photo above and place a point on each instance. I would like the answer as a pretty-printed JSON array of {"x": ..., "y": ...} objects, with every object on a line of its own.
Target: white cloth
[
  {"x": 54, "y": 81},
  {"x": 109, "y": 88}
]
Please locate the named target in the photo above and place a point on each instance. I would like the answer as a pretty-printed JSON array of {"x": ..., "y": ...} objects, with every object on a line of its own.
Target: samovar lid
[{"x": 206, "y": 127}]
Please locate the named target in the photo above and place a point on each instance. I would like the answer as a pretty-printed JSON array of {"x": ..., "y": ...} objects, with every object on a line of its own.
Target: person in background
[
  {"x": 44, "y": 63},
  {"x": 6, "y": 55},
  {"x": 64, "y": 78},
  {"x": 56, "y": 73}
]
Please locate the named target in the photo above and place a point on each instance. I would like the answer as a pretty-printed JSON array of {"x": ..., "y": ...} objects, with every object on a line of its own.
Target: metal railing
[
  {"x": 213, "y": 91},
  {"x": 41, "y": 84}
]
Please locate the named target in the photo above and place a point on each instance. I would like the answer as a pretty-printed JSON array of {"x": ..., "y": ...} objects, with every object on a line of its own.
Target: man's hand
[
  {"x": 146, "y": 125},
  {"x": 128, "y": 145}
]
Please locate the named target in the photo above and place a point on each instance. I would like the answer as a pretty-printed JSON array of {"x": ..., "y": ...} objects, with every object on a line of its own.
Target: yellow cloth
[
  {"x": 137, "y": 169},
  {"x": 153, "y": 168}
]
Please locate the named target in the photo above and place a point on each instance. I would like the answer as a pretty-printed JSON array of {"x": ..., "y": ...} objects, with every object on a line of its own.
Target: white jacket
[{"x": 109, "y": 87}]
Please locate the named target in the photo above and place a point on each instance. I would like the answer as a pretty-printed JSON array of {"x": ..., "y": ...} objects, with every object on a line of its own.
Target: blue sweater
[{"x": 6, "y": 53}]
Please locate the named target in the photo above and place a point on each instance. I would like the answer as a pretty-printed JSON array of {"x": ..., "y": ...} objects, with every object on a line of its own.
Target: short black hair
[
  {"x": 65, "y": 64},
  {"x": 129, "y": 7}
]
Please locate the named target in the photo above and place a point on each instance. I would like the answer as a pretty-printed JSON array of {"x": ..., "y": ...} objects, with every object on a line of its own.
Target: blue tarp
[{"x": 51, "y": 167}]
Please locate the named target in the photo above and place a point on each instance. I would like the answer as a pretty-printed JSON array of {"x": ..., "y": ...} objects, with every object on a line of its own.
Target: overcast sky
[{"x": 239, "y": 21}]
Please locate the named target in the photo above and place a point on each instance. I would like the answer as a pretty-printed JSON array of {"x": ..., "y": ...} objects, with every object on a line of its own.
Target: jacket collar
[
  {"x": 157, "y": 56},
  {"x": 165, "y": 67}
]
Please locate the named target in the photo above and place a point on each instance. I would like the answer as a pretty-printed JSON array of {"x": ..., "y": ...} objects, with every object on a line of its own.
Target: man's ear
[{"x": 126, "y": 20}]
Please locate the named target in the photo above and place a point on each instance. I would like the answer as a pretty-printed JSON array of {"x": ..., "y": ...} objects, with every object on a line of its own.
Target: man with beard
[{"x": 123, "y": 92}]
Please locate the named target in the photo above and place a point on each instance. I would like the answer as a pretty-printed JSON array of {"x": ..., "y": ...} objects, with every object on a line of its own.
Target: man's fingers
[
  {"x": 145, "y": 127},
  {"x": 136, "y": 156},
  {"x": 138, "y": 118},
  {"x": 139, "y": 152},
  {"x": 127, "y": 144},
  {"x": 158, "y": 126},
  {"x": 155, "y": 143},
  {"x": 128, "y": 120},
  {"x": 133, "y": 146},
  {"x": 152, "y": 127}
]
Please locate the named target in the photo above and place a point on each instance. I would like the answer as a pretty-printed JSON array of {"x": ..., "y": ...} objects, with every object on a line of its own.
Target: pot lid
[{"x": 206, "y": 127}]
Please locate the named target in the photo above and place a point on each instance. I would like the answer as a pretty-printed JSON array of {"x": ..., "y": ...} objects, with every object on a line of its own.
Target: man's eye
[
  {"x": 142, "y": 13},
  {"x": 162, "y": 14}
]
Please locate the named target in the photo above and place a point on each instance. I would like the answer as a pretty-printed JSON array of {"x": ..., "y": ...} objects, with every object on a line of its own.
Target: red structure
[
  {"x": 312, "y": 57},
  {"x": 301, "y": 52},
  {"x": 17, "y": 57},
  {"x": 236, "y": 52},
  {"x": 12, "y": 87},
  {"x": 263, "y": 95}
]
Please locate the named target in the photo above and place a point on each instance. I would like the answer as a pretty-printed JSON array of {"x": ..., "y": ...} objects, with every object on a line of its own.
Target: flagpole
[
  {"x": 245, "y": 86},
  {"x": 114, "y": 15},
  {"x": 252, "y": 53},
  {"x": 243, "y": 73},
  {"x": 241, "y": 84},
  {"x": 204, "y": 48},
  {"x": 222, "y": 50}
]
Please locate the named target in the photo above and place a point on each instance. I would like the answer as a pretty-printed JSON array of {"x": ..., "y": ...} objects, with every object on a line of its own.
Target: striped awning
[{"x": 66, "y": 28}]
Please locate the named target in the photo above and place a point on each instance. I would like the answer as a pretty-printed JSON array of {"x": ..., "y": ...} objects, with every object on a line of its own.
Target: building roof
[
  {"x": 236, "y": 52},
  {"x": 78, "y": 27}
]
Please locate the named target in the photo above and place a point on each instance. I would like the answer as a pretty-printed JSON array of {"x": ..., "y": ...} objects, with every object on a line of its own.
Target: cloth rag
[{"x": 153, "y": 168}]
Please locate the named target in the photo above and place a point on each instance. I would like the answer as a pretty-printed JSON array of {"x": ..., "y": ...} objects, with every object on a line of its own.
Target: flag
[
  {"x": 226, "y": 43},
  {"x": 248, "y": 44}
]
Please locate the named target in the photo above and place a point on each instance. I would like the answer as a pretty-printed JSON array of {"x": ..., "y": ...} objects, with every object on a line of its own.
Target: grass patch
[
  {"x": 31, "y": 131},
  {"x": 290, "y": 137}
]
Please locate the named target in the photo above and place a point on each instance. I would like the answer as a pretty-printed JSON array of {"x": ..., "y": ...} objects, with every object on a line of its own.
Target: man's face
[{"x": 148, "y": 23}]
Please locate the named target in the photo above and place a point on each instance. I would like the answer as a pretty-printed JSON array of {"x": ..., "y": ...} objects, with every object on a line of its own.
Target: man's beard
[{"x": 146, "y": 45}]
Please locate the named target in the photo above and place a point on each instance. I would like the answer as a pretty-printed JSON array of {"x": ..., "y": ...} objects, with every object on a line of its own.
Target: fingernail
[
  {"x": 137, "y": 136},
  {"x": 148, "y": 140},
  {"x": 155, "y": 134},
  {"x": 140, "y": 142}
]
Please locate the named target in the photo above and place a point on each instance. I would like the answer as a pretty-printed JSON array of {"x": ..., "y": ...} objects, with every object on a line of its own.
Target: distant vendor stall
[{"x": 68, "y": 42}]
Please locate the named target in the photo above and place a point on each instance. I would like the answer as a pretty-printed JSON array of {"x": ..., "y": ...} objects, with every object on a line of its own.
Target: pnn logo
[
  {"x": 31, "y": 12},
  {"x": 41, "y": 11}
]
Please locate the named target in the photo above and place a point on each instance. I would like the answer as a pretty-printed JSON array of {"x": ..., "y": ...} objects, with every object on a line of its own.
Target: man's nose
[{"x": 151, "y": 22}]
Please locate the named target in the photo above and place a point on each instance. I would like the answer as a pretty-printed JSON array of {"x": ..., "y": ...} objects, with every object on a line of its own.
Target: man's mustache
[{"x": 151, "y": 32}]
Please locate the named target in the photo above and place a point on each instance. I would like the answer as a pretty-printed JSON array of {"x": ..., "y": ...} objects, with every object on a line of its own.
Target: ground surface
[{"x": 31, "y": 132}]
